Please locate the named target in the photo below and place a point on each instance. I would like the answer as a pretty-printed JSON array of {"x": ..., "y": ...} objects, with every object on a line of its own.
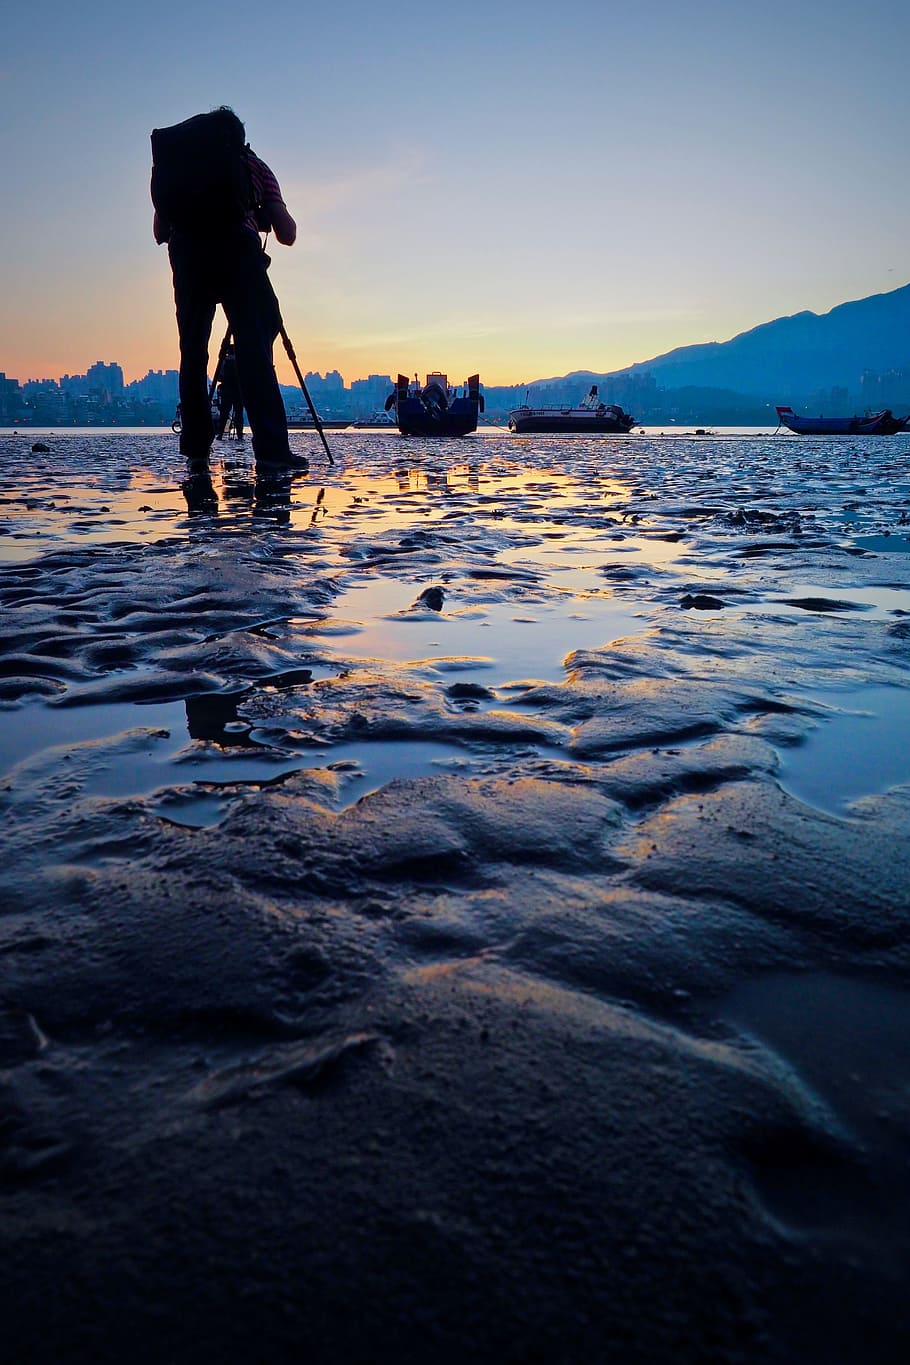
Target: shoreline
[{"x": 484, "y": 429}]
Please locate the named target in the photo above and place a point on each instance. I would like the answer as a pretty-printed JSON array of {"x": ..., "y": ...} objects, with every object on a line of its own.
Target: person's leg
[
  {"x": 195, "y": 313},
  {"x": 253, "y": 314}
]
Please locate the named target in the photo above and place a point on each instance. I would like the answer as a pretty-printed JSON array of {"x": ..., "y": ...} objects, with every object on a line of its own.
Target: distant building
[
  {"x": 330, "y": 397},
  {"x": 160, "y": 386},
  {"x": 44, "y": 402},
  {"x": 10, "y": 399},
  {"x": 890, "y": 389},
  {"x": 332, "y": 385},
  {"x": 369, "y": 394},
  {"x": 106, "y": 378},
  {"x": 105, "y": 381}
]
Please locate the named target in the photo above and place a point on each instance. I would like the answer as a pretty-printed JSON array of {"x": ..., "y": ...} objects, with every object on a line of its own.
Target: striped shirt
[{"x": 266, "y": 191}]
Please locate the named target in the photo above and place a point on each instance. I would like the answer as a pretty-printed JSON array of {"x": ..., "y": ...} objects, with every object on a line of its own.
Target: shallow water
[
  {"x": 859, "y": 747},
  {"x": 540, "y": 547},
  {"x": 529, "y": 644}
]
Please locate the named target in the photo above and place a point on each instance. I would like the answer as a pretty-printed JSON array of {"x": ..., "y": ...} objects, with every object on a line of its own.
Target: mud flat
[{"x": 455, "y": 907}]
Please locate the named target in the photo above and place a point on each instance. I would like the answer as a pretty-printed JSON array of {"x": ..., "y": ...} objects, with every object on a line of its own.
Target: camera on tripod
[{"x": 225, "y": 398}]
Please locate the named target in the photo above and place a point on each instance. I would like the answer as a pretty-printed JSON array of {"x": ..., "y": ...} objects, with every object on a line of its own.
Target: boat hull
[
  {"x": 458, "y": 419},
  {"x": 876, "y": 424},
  {"x": 558, "y": 423},
  {"x": 332, "y": 424},
  {"x": 605, "y": 421}
]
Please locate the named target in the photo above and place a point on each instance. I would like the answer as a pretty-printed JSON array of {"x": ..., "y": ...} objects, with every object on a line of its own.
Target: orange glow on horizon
[{"x": 136, "y": 361}]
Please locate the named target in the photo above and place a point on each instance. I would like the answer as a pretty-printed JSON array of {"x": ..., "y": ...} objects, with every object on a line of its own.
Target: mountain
[{"x": 791, "y": 356}]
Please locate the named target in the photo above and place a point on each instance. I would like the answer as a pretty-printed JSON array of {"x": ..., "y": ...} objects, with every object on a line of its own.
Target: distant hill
[{"x": 790, "y": 356}]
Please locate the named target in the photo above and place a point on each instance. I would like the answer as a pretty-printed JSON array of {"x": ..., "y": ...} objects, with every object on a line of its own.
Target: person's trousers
[{"x": 230, "y": 269}]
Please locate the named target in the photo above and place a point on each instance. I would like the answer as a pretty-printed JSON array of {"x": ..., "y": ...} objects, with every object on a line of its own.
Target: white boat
[{"x": 590, "y": 415}]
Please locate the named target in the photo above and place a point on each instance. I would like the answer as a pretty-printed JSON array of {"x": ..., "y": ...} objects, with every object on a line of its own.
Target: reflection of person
[
  {"x": 227, "y": 265},
  {"x": 200, "y": 494},
  {"x": 230, "y": 402}
]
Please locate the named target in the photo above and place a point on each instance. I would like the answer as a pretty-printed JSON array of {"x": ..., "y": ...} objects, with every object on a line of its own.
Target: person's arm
[
  {"x": 283, "y": 225},
  {"x": 273, "y": 211}
]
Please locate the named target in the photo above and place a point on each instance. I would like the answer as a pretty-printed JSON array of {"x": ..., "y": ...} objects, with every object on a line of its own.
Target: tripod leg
[
  {"x": 218, "y": 368},
  {"x": 292, "y": 357}
]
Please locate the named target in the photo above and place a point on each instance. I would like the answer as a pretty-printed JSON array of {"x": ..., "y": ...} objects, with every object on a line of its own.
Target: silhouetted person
[
  {"x": 230, "y": 400},
  {"x": 216, "y": 257}
]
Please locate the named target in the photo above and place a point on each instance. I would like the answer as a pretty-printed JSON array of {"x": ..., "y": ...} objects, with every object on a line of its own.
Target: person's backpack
[{"x": 200, "y": 174}]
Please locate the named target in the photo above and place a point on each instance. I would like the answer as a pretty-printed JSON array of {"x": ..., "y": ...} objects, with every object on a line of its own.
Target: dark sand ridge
[{"x": 591, "y": 1046}]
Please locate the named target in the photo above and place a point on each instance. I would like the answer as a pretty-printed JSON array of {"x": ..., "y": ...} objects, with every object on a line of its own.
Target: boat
[
  {"x": 435, "y": 409},
  {"x": 375, "y": 419},
  {"x": 589, "y": 415},
  {"x": 882, "y": 423},
  {"x": 303, "y": 421}
]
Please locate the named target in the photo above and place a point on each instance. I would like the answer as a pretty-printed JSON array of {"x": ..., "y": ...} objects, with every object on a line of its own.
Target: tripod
[
  {"x": 292, "y": 356},
  {"x": 222, "y": 353},
  {"x": 226, "y": 405}
]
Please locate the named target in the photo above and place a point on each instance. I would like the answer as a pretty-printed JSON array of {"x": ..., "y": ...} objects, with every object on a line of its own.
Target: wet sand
[{"x": 455, "y": 907}]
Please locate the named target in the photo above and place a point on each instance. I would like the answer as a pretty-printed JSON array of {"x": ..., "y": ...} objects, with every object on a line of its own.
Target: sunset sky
[{"x": 522, "y": 189}]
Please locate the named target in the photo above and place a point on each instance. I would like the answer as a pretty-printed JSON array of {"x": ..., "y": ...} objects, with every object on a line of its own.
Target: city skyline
[
  {"x": 875, "y": 336},
  {"x": 526, "y": 194}
]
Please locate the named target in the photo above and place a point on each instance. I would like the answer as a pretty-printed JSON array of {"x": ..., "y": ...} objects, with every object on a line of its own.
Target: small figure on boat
[{"x": 436, "y": 409}]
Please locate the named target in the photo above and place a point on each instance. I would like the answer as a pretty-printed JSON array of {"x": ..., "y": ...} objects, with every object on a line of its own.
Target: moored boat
[
  {"x": 302, "y": 421},
  {"x": 882, "y": 423},
  {"x": 375, "y": 419},
  {"x": 436, "y": 409},
  {"x": 590, "y": 415}
]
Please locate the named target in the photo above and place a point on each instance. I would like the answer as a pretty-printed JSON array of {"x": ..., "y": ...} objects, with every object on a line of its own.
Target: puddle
[
  {"x": 874, "y": 601},
  {"x": 378, "y": 762},
  {"x": 25, "y": 731},
  {"x": 193, "y": 810},
  {"x": 151, "y": 770},
  {"x": 511, "y": 641},
  {"x": 884, "y": 544},
  {"x": 858, "y": 750},
  {"x": 365, "y": 766},
  {"x": 197, "y": 746}
]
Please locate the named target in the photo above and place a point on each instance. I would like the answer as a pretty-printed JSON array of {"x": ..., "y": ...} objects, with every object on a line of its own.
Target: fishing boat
[
  {"x": 435, "y": 408},
  {"x": 882, "y": 423},
  {"x": 590, "y": 415}
]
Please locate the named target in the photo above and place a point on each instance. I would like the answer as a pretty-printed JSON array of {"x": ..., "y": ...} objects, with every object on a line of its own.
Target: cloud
[{"x": 325, "y": 198}]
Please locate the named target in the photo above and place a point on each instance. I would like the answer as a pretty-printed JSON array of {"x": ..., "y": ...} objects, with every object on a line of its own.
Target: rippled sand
[{"x": 454, "y": 908}]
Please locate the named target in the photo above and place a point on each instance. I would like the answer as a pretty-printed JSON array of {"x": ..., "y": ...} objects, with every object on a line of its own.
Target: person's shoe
[
  {"x": 289, "y": 464},
  {"x": 197, "y": 467}
]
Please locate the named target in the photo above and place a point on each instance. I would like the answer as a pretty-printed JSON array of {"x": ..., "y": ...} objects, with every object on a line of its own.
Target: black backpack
[{"x": 200, "y": 174}]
